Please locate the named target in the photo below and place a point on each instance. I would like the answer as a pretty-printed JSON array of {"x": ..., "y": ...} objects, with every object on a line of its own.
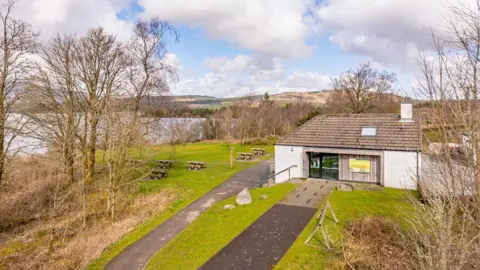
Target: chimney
[{"x": 406, "y": 111}]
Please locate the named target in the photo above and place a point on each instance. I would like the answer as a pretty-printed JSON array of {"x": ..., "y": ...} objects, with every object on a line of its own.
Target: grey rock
[
  {"x": 229, "y": 206},
  {"x": 243, "y": 197},
  {"x": 345, "y": 187},
  {"x": 263, "y": 197}
]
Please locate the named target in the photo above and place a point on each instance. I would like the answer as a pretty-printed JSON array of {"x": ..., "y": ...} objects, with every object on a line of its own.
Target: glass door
[
  {"x": 329, "y": 166},
  {"x": 314, "y": 165}
]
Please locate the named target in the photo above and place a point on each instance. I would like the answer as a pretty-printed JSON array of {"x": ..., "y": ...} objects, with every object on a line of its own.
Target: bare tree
[
  {"x": 100, "y": 67},
  {"x": 18, "y": 40},
  {"x": 451, "y": 81},
  {"x": 51, "y": 100},
  {"x": 146, "y": 75},
  {"x": 358, "y": 89},
  {"x": 147, "y": 72},
  {"x": 443, "y": 230},
  {"x": 99, "y": 64}
]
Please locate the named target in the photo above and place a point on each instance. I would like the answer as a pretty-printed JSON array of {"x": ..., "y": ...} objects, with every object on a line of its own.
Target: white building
[{"x": 383, "y": 149}]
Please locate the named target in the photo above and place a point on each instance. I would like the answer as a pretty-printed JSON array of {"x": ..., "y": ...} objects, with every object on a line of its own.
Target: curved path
[{"x": 136, "y": 256}]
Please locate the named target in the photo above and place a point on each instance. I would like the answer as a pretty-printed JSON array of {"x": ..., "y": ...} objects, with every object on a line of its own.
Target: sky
[{"x": 236, "y": 47}]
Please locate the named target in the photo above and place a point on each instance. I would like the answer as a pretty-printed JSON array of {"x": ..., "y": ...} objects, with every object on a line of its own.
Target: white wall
[
  {"x": 286, "y": 156},
  {"x": 401, "y": 169}
]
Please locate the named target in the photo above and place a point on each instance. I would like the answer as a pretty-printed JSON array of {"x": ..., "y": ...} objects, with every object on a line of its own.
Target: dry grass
[
  {"x": 32, "y": 236},
  {"x": 372, "y": 243}
]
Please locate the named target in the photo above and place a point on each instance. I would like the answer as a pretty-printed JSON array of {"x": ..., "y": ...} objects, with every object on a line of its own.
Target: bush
[
  {"x": 373, "y": 243},
  {"x": 270, "y": 140}
]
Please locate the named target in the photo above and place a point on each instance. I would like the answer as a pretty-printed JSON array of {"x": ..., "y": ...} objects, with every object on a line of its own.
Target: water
[{"x": 36, "y": 139}]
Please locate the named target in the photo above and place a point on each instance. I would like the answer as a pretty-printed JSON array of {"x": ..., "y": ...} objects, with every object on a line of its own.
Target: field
[
  {"x": 32, "y": 238},
  {"x": 187, "y": 186}
]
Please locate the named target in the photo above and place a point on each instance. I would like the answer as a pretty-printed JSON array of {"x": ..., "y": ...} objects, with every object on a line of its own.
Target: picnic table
[
  {"x": 164, "y": 164},
  {"x": 196, "y": 165},
  {"x": 136, "y": 162},
  {"x": 258, "y": 151},
  {"x": 156, "y": 174},
  {"x": 244, "y": 156}
]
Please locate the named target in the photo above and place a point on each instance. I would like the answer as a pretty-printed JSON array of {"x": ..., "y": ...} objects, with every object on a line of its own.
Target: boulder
[
  {"x": 243, "y": 197},
  {"x": 229, "y": 206},
  {"x": 345, "y": 187},
  {"x": 263, "y": 197}
]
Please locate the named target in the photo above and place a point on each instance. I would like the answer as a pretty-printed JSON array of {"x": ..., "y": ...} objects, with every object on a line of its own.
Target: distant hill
[{"x": 318, "y": 97}]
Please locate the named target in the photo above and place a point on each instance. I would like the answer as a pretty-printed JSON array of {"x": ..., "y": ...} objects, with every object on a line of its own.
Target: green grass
[
  {"x": 348, "y": 206},
  {"x": 187, "y": 186},
  {"x": 214, "y": 229}
]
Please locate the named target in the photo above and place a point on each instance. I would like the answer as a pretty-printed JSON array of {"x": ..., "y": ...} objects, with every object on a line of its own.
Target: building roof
[{"x": 344, "y": 131}]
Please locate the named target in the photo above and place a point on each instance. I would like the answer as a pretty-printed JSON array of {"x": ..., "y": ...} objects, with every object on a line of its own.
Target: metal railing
[{"x": 262, "y": 181}]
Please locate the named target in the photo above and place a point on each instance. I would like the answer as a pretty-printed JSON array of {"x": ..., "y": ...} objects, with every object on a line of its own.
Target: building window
[{"x": 369, "y": 131}]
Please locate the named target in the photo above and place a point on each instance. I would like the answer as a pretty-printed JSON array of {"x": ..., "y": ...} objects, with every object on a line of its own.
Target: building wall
[
  {"x": 401, "y": 169},
  {"x": 372, "y": 177},
  {"x": 286, "y": 156}
]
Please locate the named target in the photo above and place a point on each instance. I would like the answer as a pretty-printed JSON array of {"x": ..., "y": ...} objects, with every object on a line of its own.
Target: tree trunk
[
  {"x": 68, "y": 161},
  {"x": 2, "y": 122},
  {"x": 110, "y": 190},
  {"x": 113, "y": 205},
  {"x": 92, "y": 147},
  {"x": 84, "y": 203}
]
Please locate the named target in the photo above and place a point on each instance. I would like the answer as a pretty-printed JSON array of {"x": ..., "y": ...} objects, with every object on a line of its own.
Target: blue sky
[
  {"x": 237, "y": 47},
  {"x": 327, "y": 58}
]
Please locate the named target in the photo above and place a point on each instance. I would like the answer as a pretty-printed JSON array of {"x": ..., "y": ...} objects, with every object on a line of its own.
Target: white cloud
[
  {"x": 226, "y": 65},
  {"x": 269, "y": 27},
  {"x": 388, "y": 31},
  {"x": 73, "y": 16},
  {"x": 241, "y": 75},
  {"x": 306, "y": 81},
  {"x": 220, "y": 85},
  {"x": 172, "y": 60},
  {"x": 258, "y": 66}
]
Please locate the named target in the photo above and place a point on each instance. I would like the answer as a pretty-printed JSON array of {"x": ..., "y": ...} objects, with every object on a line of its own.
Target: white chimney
[{"x": 406, "y": 111}]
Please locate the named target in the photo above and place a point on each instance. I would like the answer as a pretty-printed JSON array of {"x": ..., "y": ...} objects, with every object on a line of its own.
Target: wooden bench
[
  {"x": 196, "y": 165},
  {"x": 136, "y": 162},
  {"x": 164, "y": 164},
  {"x": 244, "y": 156},
  {"x": 157, "y": 174},
  {"x": 258, "y": 151}
]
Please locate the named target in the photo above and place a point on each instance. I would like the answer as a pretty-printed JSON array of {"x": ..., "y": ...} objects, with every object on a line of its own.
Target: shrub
[{"x": 373, "y": 243}]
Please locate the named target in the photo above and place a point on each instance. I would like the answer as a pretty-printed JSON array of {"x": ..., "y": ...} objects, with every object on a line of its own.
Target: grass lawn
[
  {"x": 214, "y": 229},
  {"x": 348, "y": 206},
  {"x": 186, "y": 185}
]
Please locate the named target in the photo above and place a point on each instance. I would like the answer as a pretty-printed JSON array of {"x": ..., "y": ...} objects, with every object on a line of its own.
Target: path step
[{"x": 309, "y": 194}]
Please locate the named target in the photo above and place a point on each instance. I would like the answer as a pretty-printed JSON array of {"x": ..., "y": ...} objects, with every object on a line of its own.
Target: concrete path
[
  {"x": 265, "y": 242},
  {"x": 136, "y": 256}
]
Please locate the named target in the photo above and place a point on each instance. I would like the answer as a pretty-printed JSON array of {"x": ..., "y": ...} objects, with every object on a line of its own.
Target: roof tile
[{"x": 343, "y": 131}]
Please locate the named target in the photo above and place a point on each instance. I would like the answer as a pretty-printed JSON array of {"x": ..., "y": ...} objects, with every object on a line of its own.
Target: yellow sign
[{"x": 358, "y": 165}]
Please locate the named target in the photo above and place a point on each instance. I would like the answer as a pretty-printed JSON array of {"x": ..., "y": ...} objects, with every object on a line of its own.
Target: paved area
[
  {"x": 310, "y": 194},
  {"x": 136, "y": 256},
  {"x": 265, "y": 242}
]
